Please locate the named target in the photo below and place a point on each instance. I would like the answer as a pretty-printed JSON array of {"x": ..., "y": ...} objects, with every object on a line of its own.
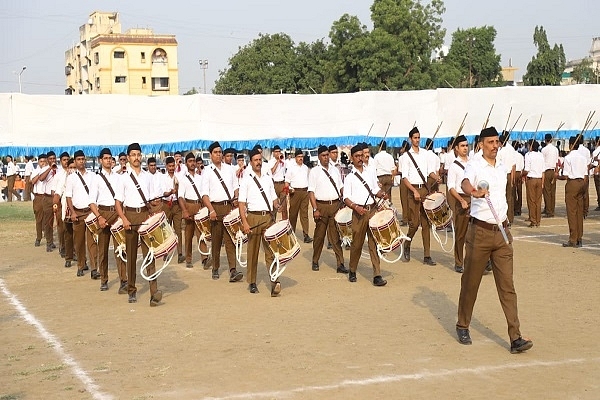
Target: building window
[
  {"x": 119, "y": 54},
  {"x": 96, "y": 58},
  {"x": 143, "y": 55},
  {"x": 160, "y": 83},
  {"x": 120, "y": 79},
  {"x": 98, "y": 82},
  {"x": 143, "y": 82},
  {"x": 159, "y": 56}
]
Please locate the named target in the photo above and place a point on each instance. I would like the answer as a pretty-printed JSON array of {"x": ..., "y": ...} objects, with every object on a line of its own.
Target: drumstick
[
  {"x": 488, "y": 118},
  {"x": 484, "y": 185}
]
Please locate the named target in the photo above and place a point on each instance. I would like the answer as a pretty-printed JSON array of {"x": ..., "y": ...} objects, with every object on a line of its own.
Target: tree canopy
[{"x": 547, "y": 66}]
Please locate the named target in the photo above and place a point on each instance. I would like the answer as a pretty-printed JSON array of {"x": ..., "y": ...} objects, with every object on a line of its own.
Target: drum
[
  {"x": 437, "y": 210},
  {"x": 343, "y": 222},
  {"x": 386, "y": 230},
  {"x": 67, "y": 219},
  {"x": 91, "y": 221},
  {"x": 233, "y": 224},
  {"x": 282, "y": 241},
  {"x": 158, "y": 235},
  {"x": 202, "y": 221},
  {"x": 118, "y": 232}
]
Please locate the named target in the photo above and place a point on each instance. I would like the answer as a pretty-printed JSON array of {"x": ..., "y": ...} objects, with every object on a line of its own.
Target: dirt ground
[{"x": 322, "y": 338}]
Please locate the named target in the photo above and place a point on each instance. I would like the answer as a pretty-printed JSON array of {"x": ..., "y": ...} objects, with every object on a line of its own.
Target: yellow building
[{"x": 106, "y": 61}]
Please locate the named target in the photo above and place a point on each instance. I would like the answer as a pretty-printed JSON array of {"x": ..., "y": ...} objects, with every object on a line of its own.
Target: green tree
[
  {"x": 472, "y": 51},
  {"x": 545, "y": 68},
  {"x": 191, "y": 91},
  {"x": 584, "y": 73},
  {"x": 311, "y": 66},
  {"x": 265, "y": 66}
]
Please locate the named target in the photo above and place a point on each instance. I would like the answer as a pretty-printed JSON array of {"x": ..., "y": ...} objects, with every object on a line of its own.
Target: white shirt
[
  {"x": 534, "y": 164},
  {"x": 477, "y": 170},
  {"x": 76, "y": 191},
  {"x": 434, "y": 161},
  {"x": 408, "y": 167},
  {"x": 585, "y": 152},
  {"x": 29, "y": 168},
  {"x": 320, "y": 184},
  {"x": 168, "y": 183},
  {"x": 550, "y": 153},
  {"x": 40, "y": 185},
  {"x": 212, "y": 187},
  {"x": 594, "y": 155},
  {"x": 505, "y": 156},
  {"x": 11, "y": 169},
  {"x": 575, "y": 165},
  {"x": 456, "y": 174},
  {"x": 297, "y": 176},
  {"x": 127, "y": 193},
  {"x": 186, "y": 190},
  {"x": 356, "y": 191},
  {"x": 250, "y": 193},
  {"x": 60, "y": 181},
  {"x": 519, "y": 161},
  {"x": 449, "y": 159},
  {"x": 49, "y": 181},
  {"x": 100, "y": 193},
  {"x": 279, "y": 174},
  {"x": 383, "y": 163}
]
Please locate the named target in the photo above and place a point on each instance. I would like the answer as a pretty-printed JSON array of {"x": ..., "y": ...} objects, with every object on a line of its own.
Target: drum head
[
  {"x": 433, "y": 201},
  {"x": 202, "y": 214},
  {"x": 90, "y": 219},
  {"x": 117, "y": 226},
  {"x": 152, "y": 222},
  {"x": 233, "y": 216},
  {"x": 381, "y": 218},
  {"x": 343, "y": 216},
  {"x": 278, "y": 229}
]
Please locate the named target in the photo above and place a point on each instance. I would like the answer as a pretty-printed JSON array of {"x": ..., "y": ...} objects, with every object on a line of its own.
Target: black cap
[
  {"x": 103, "y": 152},
  {"x": 257, "y": 147},
  {"x": 78, "y": 153},
  {"x": 229, "y": 150},
  {"x": 151, "y": 160},
  {"x": 383, "y": 145},
  {"x": 43, "y": 155},
  {"x": 132, "y": 147},
  {"x": 213, "y": 146},
  {"x": 254, "y": 151},
  {"x": 276, "y": 147},
  {"x": 64, "y": 154},
  {"x": 460, "y": 139},
  {"x": 298, "y": 152},
  {"x": 488, "y": 132},
  {"x": 413, "y": 131},
  {"x": 548, "y": 136},
  {"x": 333, "y": 147},
  {"x": 240, "y": 156},
  {"x": 356, "y": 149},
  {"x": 322, "y": 149},
  {"x": 189, "y": 155},
  {"x": 121, "y": 154},
  {"x": 51, "y": 153},
  {"x": 178, "y": 152},
  {"x": 169, "y": 160}
]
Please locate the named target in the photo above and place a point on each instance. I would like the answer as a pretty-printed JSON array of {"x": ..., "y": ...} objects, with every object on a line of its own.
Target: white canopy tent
[{"x": 31, "y": 124}]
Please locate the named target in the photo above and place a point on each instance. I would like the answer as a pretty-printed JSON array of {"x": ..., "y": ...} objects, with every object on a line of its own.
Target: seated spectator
[
  {"x": 4, "y": 187},
  {"x": 19, "y": 185}
]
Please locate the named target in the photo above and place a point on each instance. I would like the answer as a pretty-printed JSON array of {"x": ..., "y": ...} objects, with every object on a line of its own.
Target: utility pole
[
  {"x": 19, "y": 75},
  {"x": 470, "y": 40},
  {"x": 204, "y": 66}
]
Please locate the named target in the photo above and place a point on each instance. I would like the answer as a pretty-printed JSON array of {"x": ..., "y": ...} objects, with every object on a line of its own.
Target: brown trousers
[
  {"x": 534, "y": 199},
  {"x": 11, "y": 188},
  {"x": 69, "y": 244},
  {"x": 404, "y": 201},
  {"x": 386, "y": 182},
  {"x": 38, "y": 212},
  {"x": 28, "y": 189},
  {"x": 461, "y": 223},
  {"x": 417, "y": 217},
  {"x": 220, "y": 234},
  {"x": 173, "y": 214},
  {"x": 574, "y": 196},
  {"x": 103, "y": 243},
  {"x": 586, "y": 196},
  {"x": 299, "y": 206},
  {"x": 282, "y": 199},
  {"x": 510, "y": 201},
  {"x": 597, "y": 186},
  {"x": 131, "y": 247},
  {"x": 518, "y": 193},
  {"x": 482, "y": 245},
  {"x": 326, "y": 224},
  {"x": 256, "y": 236},
  {"x": 360, "y": 227},
  {"x": 60, "y": 228},
  {"x": 82, "y": 237},
  {"x": 549, "y": 192},
  {"x": 190, "y": 230},
  {"x": 48, "y": 219}
]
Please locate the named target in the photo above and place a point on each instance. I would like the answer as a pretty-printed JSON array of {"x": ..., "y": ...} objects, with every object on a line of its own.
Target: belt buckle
[{"x": 138, "y": 210}]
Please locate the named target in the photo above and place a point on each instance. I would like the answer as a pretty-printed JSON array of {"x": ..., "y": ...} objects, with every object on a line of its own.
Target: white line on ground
[
  {"x": 89, "y": 384},
  {"x": 406, "y": 377}
]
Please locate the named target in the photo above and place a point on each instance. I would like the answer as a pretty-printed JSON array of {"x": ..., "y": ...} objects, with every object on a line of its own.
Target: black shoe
[
  {"x": 215, "y": 274},
  {"x": 156, "y": 298},
  {"x": 459, "y": 269},
  {"x": 180, "y": 259},
  {"x": 429, "y": 261},
  {"x": 489, "y": 266},
  {"x": 307, "y": 239},
  {"x": 80, "y": 272},
  {"x": 53, "y": 246},
  {"x": 406, "y": 252},
  {"x": 104, "y": 287},
  {"x": 275, "y": 289},
  {"x": 342, "y": 270},
  {"x": 463, "y": 336},
  {"x": 379, "y": 281},
  {"x": 315, "y": 266},
  {"x": 62, "y": 253},
  {"x": 329, "y": 246},
  {"x": 568, "y": 244},
  {"x": 67, "y": 264},
  {"x": 123, "y": 287},
  {"x": 189, "y": 265},
  {"x": 132, "y": 298},
  {"x": 520, "y": 345},
  {"x": 37, "y": 243},
  {"x": 95, "y": 274},
  {"x": 49, "y": 249},
  {"x": 86, "y": 267},
  {"x": 579, "y": 243},
  {"x": 207, "y": 262},
  {"x": 352, "y": 276},
  {"x": 235, "y": 276},
  {"x": 252, "y": 287}
]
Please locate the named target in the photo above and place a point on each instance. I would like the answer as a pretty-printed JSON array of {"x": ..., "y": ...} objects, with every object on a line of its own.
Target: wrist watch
[{"x": 314, "y": 210}]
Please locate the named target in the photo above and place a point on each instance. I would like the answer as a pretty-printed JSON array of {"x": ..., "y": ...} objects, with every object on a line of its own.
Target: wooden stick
[
  {"x": 537, "y": 127},
  {"x": 435, "y": 134},
  {"x": 511, "y": 129},
  {"x": 368, "y": 133},
  {"x": 460, "y": 128},
  {"x": 522, "y": 129},
  {"x": 384, "y": 136},
  {"x": 508, "y": 119},
  {"x": 588, "y": 121},
  {"x": 488, "y": 118}
]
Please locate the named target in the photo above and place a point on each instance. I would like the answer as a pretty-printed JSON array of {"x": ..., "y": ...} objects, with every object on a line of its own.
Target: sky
[{"x": 36, "y": 33}]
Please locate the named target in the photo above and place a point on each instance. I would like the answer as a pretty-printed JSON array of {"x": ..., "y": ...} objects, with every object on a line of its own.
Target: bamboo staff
[
  {"x": 460, "y": 128},
  {"x": 508, "y": 119},
  {"x": 384, "y": 136},
  {"x": 435, "y": 134},
  {"x": 588, "y": 121},
  {"x": 368, "y": 133},
  {"x": 488, "y": 118},
  {"x": 511, "y": 129}
]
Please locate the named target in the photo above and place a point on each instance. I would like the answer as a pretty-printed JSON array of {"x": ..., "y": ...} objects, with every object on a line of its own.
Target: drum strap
[
  {"x": 262, "y": 191},
  {"x": 138, "y": 187},
  {"x": 418, "y": 170},
  {"x": 222, "y": 183},
  {"x": 107, "y": 183},
  {"x": 360, "y": 178},
  {"x": 82, "y": 181},
  {"x": 194, "y": 186},
  {"x": 333, "y": 183},
  {"x": 459, "y": 164}
]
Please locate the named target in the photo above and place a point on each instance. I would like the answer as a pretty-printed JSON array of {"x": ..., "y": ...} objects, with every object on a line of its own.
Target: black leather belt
[
  {"x": 379, "y": 176},
  {"x": 278, "y": 181},
  {"x": 304, "y": 189},
  {"x": 328, "y": 201},
  {"x": 263, "y": 213},
  {"x": 193, "y": 201},
  {"x": 87, "y": 209},
  {"x": 418, "y": 185},
  {"x": 486, "y": 225},
  {"x": 106, "y": 208},
  {"x": 533, "y": 178},
  {"x": 220, "y": 203},
  {"x": 137, "y": 209}
]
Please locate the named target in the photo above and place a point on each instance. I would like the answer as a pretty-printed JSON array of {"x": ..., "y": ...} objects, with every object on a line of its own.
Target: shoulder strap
[
  {"x": 459, "y": 164},
  {"x": 82, "y": 181},
  {"x": 262, "y": 191},
  {"x": 107, "y": 183},
  {"x": 360, "y": 178},
  {"x": 222, "y": 182},
  {"x": 138, "y": 187},
  {"x": 194, "y": 186},
  {"x": 332, "y": 182},
  {"x": 418, "y": 170}
]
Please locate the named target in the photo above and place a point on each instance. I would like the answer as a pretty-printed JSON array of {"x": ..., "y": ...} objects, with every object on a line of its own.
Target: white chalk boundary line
[
  {"x": 89, "y": 384},
  {"x": 444, "y": 373}
]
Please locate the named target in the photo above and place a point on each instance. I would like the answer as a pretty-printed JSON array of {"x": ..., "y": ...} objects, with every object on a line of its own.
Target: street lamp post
[
  {"x": 21, "y": 73},
  {"x": 204, "y": 66}
]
